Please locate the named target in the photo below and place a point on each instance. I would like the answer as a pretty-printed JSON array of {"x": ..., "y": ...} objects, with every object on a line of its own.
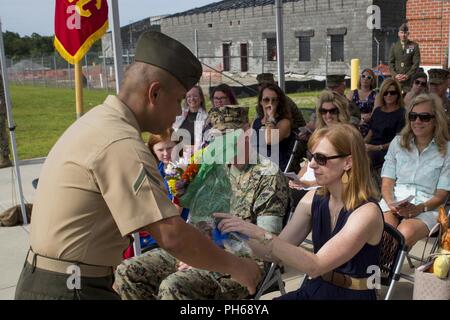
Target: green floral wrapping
[{"x": 210, "y": 191}]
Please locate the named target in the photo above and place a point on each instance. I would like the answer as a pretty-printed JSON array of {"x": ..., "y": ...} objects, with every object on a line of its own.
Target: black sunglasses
[
  {"x": 420, "y": 83},
  {"x": 424, "y": 116},
  {"x": 267, "y": 100},
  {"x": 330, "y": 111},
  {"x": 322, "y": 159},
  {"x": 363, "y": 76},
  {"x": 391, "y": 93}
]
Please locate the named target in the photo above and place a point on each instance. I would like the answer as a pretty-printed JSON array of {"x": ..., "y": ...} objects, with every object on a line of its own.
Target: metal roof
[{"x": 227, "y": 5}]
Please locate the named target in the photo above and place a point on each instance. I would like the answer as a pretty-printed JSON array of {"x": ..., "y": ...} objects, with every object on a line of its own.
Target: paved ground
[{"x": 14, "y": 240}]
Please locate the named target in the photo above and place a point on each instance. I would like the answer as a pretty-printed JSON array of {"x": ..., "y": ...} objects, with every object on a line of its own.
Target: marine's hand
[{"x": 248, "y": 274}]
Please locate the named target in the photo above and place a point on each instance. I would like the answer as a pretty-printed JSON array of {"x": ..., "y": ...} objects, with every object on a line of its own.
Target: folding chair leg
[{"x": 396, "y": 275}]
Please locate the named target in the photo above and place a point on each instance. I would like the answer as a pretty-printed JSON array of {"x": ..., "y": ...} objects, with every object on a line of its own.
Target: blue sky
[{"x": 28, "y": 16}]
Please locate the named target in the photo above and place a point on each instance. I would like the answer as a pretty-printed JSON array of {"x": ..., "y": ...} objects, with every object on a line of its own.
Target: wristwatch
[
  {"x": 425, "y": 208},
  {"x": 266, "y": 238}
]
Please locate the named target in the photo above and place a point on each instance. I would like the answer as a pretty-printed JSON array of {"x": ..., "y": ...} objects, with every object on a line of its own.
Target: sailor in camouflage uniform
[{"x": 259, "y": 195}]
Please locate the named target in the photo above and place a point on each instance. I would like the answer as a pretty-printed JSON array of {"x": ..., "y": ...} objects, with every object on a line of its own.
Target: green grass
[{"x": 42, "y": 114}]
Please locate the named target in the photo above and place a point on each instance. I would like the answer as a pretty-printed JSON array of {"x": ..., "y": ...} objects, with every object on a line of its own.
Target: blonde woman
[
  {"x": 331, "y": 108},
  {"x": 345, "y": 221},
  {"x": 417, "y": 164}
]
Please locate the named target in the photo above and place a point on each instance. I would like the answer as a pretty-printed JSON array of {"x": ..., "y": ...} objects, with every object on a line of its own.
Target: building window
[
  {"x": 271, "y": 49},
  {"x": 244, "y": 57},
  {"x": 337, "y": 47},
  {"x": 304, "y": 48},
  {"x": 226, "y": 56}
]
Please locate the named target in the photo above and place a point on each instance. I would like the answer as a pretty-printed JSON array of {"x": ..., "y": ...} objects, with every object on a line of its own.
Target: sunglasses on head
[
  {"x": 267, "y": 100},
  {"x": 391, "y": 93},
  {"x": 363, "y": 76},
  {"x": 424, "y": 116},
  {"x": 322, "y": 159},
  {"x": 333, "y": 111},
  {"x": 420, "y": 83}
]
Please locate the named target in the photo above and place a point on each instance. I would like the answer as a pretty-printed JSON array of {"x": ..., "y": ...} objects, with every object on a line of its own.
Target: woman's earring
[{"x": 345, "y": 178}]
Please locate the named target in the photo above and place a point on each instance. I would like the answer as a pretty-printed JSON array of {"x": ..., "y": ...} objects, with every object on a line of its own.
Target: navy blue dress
[
  {"x": 285, "y": 146},
  {"x": 319, "y": 289}
]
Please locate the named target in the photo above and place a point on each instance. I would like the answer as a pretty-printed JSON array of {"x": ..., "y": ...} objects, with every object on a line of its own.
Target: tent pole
[{"x": 11, "y": 126}]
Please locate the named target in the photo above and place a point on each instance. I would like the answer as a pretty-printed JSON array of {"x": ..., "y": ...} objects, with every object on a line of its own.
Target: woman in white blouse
[
  {"x": 417, "y": 164},
  {"x": 193, "y": 117}
]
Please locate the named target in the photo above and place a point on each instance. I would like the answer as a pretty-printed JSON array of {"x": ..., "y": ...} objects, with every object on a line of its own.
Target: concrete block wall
[{"x": 247, "y": 25}]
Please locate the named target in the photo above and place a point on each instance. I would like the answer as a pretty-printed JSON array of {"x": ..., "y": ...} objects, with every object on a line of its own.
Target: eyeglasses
[
  {"x": 391, "y": 93},
  {"x": 220, "y": 98},
  {"x": 424, "y": 116},
  {"x": 322, "y": 159},
  {"x": 333, "y": 111},
  {"x": 363, "y": 76},
  {"x": 420, "y": 83},
  {"x": 268, "y": 100}
]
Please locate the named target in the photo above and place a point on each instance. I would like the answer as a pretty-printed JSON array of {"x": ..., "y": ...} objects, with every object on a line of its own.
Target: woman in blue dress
[{"x": 343, "y": 216}]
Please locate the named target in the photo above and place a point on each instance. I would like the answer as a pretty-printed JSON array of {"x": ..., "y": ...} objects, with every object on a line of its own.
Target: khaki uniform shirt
[
  {"x": 99, "y": 183},
  {"x": 404, "y": 60}
]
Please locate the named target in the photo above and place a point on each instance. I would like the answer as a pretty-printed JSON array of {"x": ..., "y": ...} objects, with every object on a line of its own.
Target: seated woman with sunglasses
[
  {"x": 364, "y": 98},
  {"x": 388, "y": 118},
  {"x": 345, "y": 221},
  {"x": 417, "y": 164},
  {"x": 331, "y": 108},
  {"x": 273, "y": 114},
  {"x": 419, "y": 85}
]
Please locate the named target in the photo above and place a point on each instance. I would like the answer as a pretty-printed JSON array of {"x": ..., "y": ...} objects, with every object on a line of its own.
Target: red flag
[{"x": 78, "y": 24}]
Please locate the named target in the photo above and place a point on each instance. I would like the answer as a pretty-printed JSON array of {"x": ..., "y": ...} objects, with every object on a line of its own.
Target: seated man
[{"x": 258, "y": 194}]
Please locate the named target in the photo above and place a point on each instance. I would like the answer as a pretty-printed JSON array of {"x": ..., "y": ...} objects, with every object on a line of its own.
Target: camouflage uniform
[
  {"x": 224, "y": 118},
  {"x": 4, "y": 142},
  {"x": 256, "y": 197}
]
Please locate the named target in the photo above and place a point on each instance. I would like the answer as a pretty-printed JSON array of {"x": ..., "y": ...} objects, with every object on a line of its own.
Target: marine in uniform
[
  {"x": 404, "y": 58},
  {"x": 259, "y": 194},
  {"x": 100, "y": 183},
  {"x": 336, "y": 83},
  {"x": 438, "y": 82}
]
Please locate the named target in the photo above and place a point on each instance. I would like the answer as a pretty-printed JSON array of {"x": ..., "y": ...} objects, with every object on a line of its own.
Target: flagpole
[
  {"x": 117, "y": 44},
  {"x": 78, "y": 89},
  {"x": 11, "y": 126}
]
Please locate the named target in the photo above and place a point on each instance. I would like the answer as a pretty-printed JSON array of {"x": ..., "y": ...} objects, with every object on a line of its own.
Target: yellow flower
[{"x": 172, "y": 183}]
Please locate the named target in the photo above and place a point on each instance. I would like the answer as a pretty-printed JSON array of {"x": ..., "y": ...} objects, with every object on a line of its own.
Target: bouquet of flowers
[{"x": 179, "y": 175}]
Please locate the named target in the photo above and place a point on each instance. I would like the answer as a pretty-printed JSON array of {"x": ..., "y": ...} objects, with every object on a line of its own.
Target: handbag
[{"x": 429, "y": 287}]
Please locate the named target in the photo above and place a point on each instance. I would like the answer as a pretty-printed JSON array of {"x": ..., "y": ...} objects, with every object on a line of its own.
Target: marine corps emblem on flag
[{"x": 78, "y": 24}]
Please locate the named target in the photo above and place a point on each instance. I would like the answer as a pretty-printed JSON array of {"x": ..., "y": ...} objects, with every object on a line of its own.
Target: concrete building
[
  {"x": 320, "y": 36},
  {"x": 130, "y": 34},
  {"x": 429, "y": 25}
]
